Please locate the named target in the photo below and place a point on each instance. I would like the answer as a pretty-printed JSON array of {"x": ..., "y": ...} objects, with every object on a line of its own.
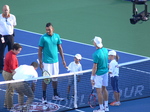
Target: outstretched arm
[{"x": 60, "y": 49}]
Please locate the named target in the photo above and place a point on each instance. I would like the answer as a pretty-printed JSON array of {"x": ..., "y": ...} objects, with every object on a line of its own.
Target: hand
[
  {"x": 64, "y": 63},
  {"x": 92, "y": 82},
  {"x": 41, "y": 66},
  {"x": 13, "y": 72}
]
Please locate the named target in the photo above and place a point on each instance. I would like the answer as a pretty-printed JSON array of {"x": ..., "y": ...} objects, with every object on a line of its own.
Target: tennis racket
[
  {"x": 45, "y": 73},
  {"x": 92, "y": 99},
  {"x": 47, "y": 80}
]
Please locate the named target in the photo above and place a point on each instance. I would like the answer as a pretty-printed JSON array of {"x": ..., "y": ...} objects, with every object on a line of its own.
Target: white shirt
[
  {"x": 114, "y": 68},
  {"x": 25, "y": 72},
  {"x": 73, "y": 67},
  {"x": 7, "y": 25}
]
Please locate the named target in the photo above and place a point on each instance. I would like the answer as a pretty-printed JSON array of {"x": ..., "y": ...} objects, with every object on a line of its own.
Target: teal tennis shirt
[
  {"x": 50, "y": 48},
  {"x": 100, "y": 57}
]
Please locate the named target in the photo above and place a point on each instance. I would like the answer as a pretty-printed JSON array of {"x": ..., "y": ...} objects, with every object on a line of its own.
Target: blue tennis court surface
[
  {"x": 140, "y": 105},
  {"x": 130, "y": 88},
  {"x": 29, "y": 41}
]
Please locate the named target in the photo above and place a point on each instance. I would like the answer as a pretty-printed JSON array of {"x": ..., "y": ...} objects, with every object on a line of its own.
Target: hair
[
  {"x": 16, "y": 46},
  {"x": 49, "y": 24},
  {"x": 34, "y": 64},
  {"x": 117, "y": 58}
]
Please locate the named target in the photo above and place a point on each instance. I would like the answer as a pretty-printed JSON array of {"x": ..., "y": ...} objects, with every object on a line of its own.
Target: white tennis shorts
[
  {"x": 53, "y": 69},
  {"x": 101, "y": 80}
]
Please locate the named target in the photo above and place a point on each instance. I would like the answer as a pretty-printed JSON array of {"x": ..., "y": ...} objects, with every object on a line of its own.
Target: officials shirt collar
[{"x": 6, "y": 16}]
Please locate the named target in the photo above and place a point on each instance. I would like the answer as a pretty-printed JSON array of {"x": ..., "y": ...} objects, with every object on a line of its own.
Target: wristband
[{"x": 92, "y": 77}]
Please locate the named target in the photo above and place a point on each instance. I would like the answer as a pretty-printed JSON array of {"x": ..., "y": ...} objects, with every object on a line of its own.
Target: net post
[{"x": 75, "y": 90}]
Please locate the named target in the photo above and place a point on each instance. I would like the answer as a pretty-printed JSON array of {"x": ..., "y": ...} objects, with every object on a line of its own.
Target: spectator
[{"x": 7, "y": 23}]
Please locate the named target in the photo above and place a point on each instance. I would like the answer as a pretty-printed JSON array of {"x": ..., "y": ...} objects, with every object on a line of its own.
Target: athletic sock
[
  {"x": 106, "y": 103},
  {"x": 44, "y": 95},
  {"x": 101, "y": 106},
  {"x": 55, "y": 92}
]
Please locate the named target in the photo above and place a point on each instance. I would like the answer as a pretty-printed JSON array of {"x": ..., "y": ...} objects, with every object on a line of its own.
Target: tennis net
[
  {"x": 134, "y": 83},
  {"x": 75, "y": 100}
]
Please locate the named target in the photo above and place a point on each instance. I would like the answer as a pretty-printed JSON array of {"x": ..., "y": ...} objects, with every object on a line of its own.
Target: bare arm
[
  {"x": 60, "y": 49},
  {"x": 94, "y": 69},
  {"x": 40, "y": 56}
]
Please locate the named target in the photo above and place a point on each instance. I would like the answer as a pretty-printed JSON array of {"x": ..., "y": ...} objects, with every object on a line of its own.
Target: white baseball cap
[
  {"x": 112, "y": 53},
  {"x": 78, "y": 56},
  {"x": 98, "y": 41}
]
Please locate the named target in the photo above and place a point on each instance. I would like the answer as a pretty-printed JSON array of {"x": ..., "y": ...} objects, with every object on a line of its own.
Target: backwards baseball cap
[
  {"x": 98, "y": 41},
  {"x": 78, "y": 56},
  {"x": 112, "y": 53}
]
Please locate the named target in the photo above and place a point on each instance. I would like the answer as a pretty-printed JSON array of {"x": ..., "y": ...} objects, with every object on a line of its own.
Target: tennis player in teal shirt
[
  {"x": 49, "y": 45},
  {"x": 50, "y": 48},
  {"x": 100, "y": 57},
  {"x": 99, "y": 76}
]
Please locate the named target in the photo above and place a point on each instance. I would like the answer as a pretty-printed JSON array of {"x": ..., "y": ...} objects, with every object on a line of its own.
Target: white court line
[
  {"x": 27, "y": 54},
  {"x": 79, "y": 110},
  {"x": 136, "y": 70},
  {"x": 133, "y": 62},
  {"x": 83, "y": 43},
  {"x": 37, "y": 53},
  {"x": 28, "y": 45}
]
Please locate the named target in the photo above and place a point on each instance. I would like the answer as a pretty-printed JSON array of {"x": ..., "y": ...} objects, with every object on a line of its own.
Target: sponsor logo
[{"x": 36, "y": 107}]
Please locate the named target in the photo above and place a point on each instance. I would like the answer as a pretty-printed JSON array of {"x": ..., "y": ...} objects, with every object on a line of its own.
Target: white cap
[
  {"x": 112, "y": 53},
  {"x": 78, "y": 56},
  {"x": 98, "y": 41}
]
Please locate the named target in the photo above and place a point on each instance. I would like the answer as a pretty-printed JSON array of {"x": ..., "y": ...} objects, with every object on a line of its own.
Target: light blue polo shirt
[
  {"x": 100, "y": 57},
  {"x": 50, "y": 48}
]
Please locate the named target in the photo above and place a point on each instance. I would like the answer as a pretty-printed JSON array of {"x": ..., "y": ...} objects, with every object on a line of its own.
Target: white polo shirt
[
  {"x": 114, "y": 68},
  {"x": 7, "y": 25},
  {"x": 25, "y": 72},
  {"x": 73, "y": 67}
]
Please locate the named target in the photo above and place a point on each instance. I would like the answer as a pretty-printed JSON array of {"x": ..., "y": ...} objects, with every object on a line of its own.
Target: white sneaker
[
  {"x": 106, "y": 109},
  {"x": 117, "y": 103},
  {"x": 44, "y": 101},
  {"x": 99, "y": 110},
  {"x": 57, "y": 98},
  {"x": 26, "y": 108}
]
